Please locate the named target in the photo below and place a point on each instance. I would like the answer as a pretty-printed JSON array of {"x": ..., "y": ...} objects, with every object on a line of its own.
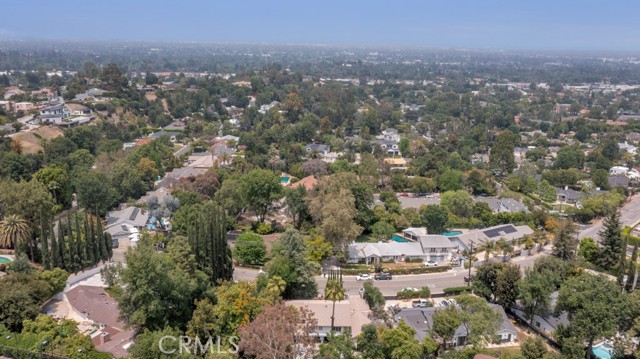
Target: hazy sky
[{"x": 499, "y": 24}]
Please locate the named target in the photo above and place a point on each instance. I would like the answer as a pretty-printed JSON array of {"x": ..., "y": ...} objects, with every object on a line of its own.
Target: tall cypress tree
[
  {"x": 73, "y": 255},
  {"x": 104, "y": 255},
  {"x": 622, "y": 264},
  {"x": 55, "y": 252},
  {"x": 611, "y": 242},
  {"x": 88, "y": 242},
  {"x": 44, "y": 243},
  {"x": 108, "y": 241},
  {"x": 79, "y": 242},
  {"x": 207, "y": 234},
  {"x": 96, "y": 245},
  {"x": 62, "y": 250},
  {"x": 632, "y": 270}
]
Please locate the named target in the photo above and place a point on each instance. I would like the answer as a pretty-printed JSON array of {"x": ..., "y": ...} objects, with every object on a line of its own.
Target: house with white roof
[
  {"x": 479, "y": 237},
  {"x": 419, "y": 245}
]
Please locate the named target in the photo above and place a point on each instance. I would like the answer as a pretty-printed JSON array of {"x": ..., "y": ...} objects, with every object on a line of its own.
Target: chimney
[
  {"x": 566, "y": 188},
  {"x": 104, "y": 337}
]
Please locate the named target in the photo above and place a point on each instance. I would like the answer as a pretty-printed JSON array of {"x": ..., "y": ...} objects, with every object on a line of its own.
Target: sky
[{"x": 588, "y": 25}]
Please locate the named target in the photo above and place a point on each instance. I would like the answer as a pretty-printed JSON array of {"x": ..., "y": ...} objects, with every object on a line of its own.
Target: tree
[
  {"x": 261, "y": 188},
  {"x": 501, "y": 155},
  {"x": 611, "y": 242},
  {"x": 632, "y": 272},
  {"x": 507, "y": 285},
  {"x": 535, "y": 292},
  {"x": 335, "y": 292},
  {"x": 296, "y": 205},
  {"x": 317, "y": 248},
  {"x": 279, "y": 332},
  {"x": 459, "y": 203},
  {"x": 600, "y": 178},
  {"x": 57, "y": 182},
  {"x": 290, "y": 262},
  {"x": 372, "y": 295},
  {"x": 588, "y": 249},
  {"x": 382, "y": 230},
  {"x": 569, "y": 157},
  {"x": 451, "y": 180},
  {"x": 336, "y": 218},
  {"x": 338, "y": 347},
  {"x": 206, "y": 235},
  {"x": 14, "y": 231},
  {"x": 547, "y": 192},
  {"x": 149, "y": 345},
  {"x": 533, "y": 348},
  {"x": 445, "y": 324},
  {"x": 399, "y": 342},
  {"x": 435, "y": 217},
  {"x": 479, "y": 319},
  {"x": 94, "y": 189},
  {"x": 565, "y": 242},
  {"x": 250, "y": 248},
  {"x": 149, "y": 272},
  {"x": 593, "y": 304}
]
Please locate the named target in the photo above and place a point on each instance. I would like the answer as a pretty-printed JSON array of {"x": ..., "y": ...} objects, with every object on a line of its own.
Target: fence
[{"x": 19, "y": 353}]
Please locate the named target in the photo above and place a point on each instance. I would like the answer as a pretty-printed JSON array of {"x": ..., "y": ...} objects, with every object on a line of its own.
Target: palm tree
[
  {"x": 334, "y": 291},
  {"x": 14, "y": 230},
  {"x": 489, "y": 247}
]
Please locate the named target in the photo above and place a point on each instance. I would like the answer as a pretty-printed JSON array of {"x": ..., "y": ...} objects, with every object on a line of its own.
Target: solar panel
[
  {"x": 134, "y": 214},
  {"x": 497, "y": 232}
]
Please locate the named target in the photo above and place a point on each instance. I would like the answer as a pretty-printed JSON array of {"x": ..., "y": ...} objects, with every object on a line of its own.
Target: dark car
[{"x": 382, "y": 276}]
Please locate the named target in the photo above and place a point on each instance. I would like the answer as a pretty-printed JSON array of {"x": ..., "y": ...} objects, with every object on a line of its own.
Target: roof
[
  {"x": 503, "y": 204},
  {"x": 396, "y": 249},
  {"x": 318, "y": 147},
  {"x": 395, "y": 161},
  {"x": 353, "y": 312},
  {"x": 161, "y": 133},
  {"x": 483, "y": 356},
  {"x": 421, "y": 320},
  {"x": 308, "y": 182},
  {"x": 508, "y": 232},
  {"x": 132, "y": 215},
  {"x": 569, "y": 194},
  {"x": 618, "y": 181},
  {"x": 435, "y": 241}
]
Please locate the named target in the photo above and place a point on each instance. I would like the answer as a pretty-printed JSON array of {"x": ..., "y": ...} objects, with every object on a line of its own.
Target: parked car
[
  {"x": 421, "y": 303},
  {"x": 404, "y": 194},
  {"x": 445, "y": 303},
  {"x": 363, "y": 276},
  {"x": 430, "y": 264},
  {"x": 382, "y": 276},
  {"x": 411, "y": 289}
]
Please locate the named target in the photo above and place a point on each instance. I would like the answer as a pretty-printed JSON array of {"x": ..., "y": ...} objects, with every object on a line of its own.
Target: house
[
  {"x": 351, "y": 314},
  {"x": 74, "y": 109},
  {"x": 23, "y": 106},
  {"x": 100, "y": 319},
  {"x": 158, "y": 134},
  {"x": 12, "y": 91},
  {"x": 396, "y": 163},
  {"x": 546, "y": 323},
  {"x": 626, "y": 147},
  {"x": 173, "y": 177},
  {"x": 391, "y": 148},
  {"x": 7, "y": 129},
  {"x": 569, "y": 196},
  {"x": 478, "y": 237},
  {"x": 421, "y": 320},
  {"x": 389, "y": 134},
  {"x": 91, "y": 94},
  {"x": 500, "y": 205},
  {"x": 618, "y": 181},
  {"x": 130, "y": 216},
  {"x": 318, "y": 148},
  {"x": 53, "y": 114},
  {"x": 308, "y": 182},
  {"x": 418, "y": 245}
]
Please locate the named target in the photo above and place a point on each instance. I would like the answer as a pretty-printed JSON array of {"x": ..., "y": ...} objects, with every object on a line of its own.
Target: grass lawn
[{"x": 365, "y": 238}]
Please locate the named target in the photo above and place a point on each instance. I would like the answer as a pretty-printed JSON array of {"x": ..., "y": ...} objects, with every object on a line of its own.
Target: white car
[
  {"x": 430, "y": 264},
  {"x": 363, "y": 276},
  {"x": 410, "y": 289}
]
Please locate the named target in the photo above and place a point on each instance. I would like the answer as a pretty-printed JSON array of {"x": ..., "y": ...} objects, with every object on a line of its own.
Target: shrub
[
  {"x": 372, "y": 295},
  {"x": 456, "y": 291},
  {"x": 250, "y": 248},
  {"x": 264, "y": 228},
  {"x": 418, "y": 270},
  {"x": 424, "y": 292}
]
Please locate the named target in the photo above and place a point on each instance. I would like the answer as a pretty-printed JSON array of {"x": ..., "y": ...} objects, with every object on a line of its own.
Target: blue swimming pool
[
  {"x": 451, "y": 233},
  {"x": 603, "y": 351},
  {"x": 284, "y": 179},
  {"x": 5, "y": 260},
  {"x": 397, "y": 238}
]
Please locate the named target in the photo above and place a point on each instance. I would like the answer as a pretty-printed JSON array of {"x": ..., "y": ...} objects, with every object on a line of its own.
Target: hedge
[
  {"x": 456, "y": 290},
  {"x": 424, "y": 292},
  {"x": 418, "y": 270}
]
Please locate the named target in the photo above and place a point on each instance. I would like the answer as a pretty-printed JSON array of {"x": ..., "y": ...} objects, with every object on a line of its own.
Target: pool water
[
  {"x": 284, "y": 179},
  {"x": 603, "y": 351},
  {"x": 451, "y": 233},
  {"x": 397, "y": 238},
  {"x": 4, "y": 260}
]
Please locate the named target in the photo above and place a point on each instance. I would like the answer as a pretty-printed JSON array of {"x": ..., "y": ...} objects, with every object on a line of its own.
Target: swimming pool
[
  {"x": 451, "y": 233},
  {"x": 284, "y": 179},
  {"x": 603, "y": 351},
  {"x": 5, "y": 260},
  {"x": 397, "y": 238}
]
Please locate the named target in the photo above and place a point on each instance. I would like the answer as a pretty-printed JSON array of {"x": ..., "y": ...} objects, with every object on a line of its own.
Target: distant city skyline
[{"x": 588, "y": 25}]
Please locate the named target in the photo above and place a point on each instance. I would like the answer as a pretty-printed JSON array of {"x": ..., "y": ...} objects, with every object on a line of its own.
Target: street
[{"x": 629, "y": 216}]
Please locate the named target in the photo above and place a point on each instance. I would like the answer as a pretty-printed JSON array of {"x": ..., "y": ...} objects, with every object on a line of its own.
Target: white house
[
  {"x": 419, "y": 245},
  {"x": 350, "y": 314},
  {"x": 478, "y": 237}
]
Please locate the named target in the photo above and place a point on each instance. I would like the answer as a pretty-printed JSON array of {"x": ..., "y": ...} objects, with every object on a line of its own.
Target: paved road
[
  {"x": 629, "y": 215},
  {"x": 436, "y": 281}
]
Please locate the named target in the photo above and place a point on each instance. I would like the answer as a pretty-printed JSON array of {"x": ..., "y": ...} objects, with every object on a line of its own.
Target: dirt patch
[
  {"x": 150, "y": 96},
  {"x": 31, "y": 141}
]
